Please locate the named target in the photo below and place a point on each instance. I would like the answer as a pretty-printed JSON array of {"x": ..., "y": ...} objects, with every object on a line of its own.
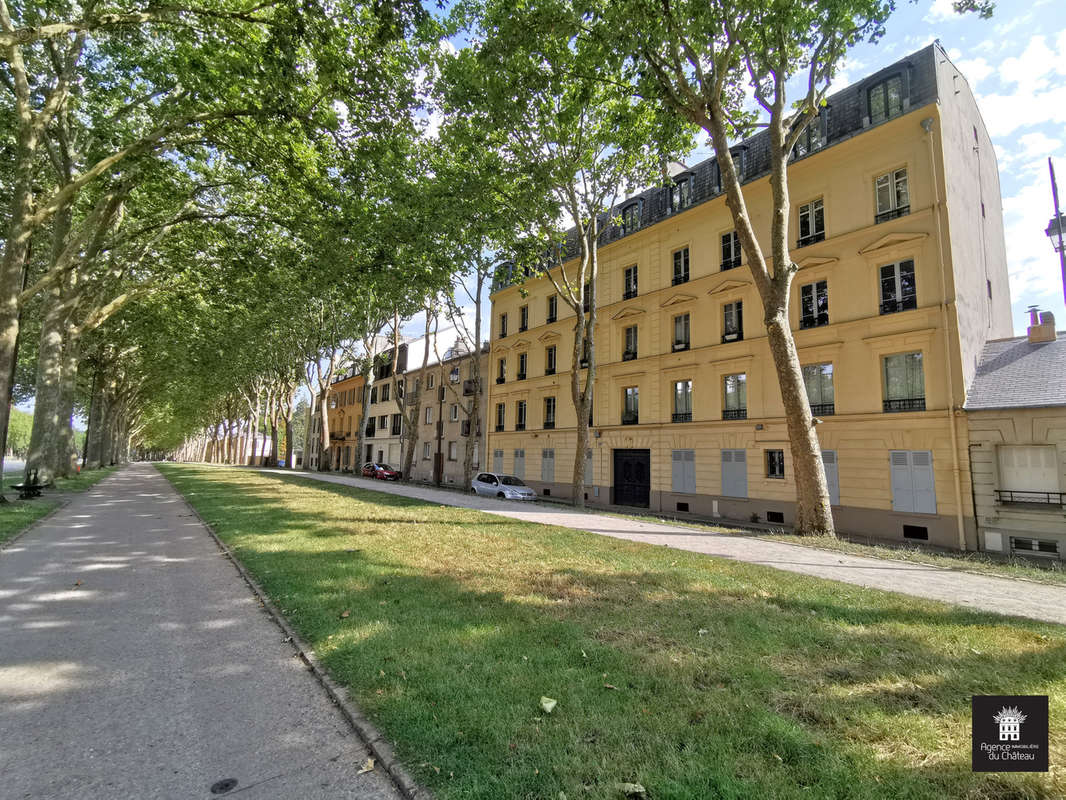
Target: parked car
[
  {"x": 382, "y": 472},
  {"x": 491, "y": 484}
]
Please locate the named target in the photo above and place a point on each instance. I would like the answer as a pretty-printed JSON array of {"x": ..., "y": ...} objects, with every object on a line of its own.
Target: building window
[
  {"x": 913, "y": 484},
  {"x": 681, "y": 193},
  {"x": 399, "y": 390},
  {"x": 430, "y": 382},
  {"x": 630, "y": 218},
  {"x": 453, "y": 375},
  {"x": 775, "y": 463},
  {"x": 631, "y": 406},
  {"x": 812, "y": 138},
  {"x": 553, "y": 308},
  {"x": 811, "y": 223},
  {"x": 904, "y": 382},
  {"x": 501, "y": 412},
  {"x": 397, "y": 424},
  {"x": 681, "y": 332},
  {"x": 732, "y": 322},
  {"x": 683, "y": 463},
  {"x": 453, "y": 451},
  {"x": 586, "y": 298},
  {"x": 503, "y": 325},
  {"x": 629, "y": 349},
  {"x": 425, "y": 451},
  {"x": 385, "y": 393},
  {"x": 520, "y": 415},
  {"x": 549, "y": 360},
  {"x": 429, "y": 414},
  {"x": 1029, "y": 474},
  {"x": 586, "y": 352},
  {"x": 455, "y": 412},
  {"x": 899, "y": 292},
  {"x": 501, "y": 371},
  {"x": 814, "y": 304},
  {"x": 549, "y": 412},
  {"x": 735, "y": 405},
  {"x": 523, "y": 359},
  {"x": 630, "y": 290},
  {"x": 893, "y": 199},
  {"x": 730, "y": 250},
  {"x": 886, "y": 99},
  {"x": 523, "y": 318},
  {"x": 374, "y": 395},
  {"x": 818, "y": 379},
  {"x": 682, "y": 401},
  {"x": 520, "y": 463},
  {"x": 681, "y": 266},
  {"x": 1043, "y": 547}
]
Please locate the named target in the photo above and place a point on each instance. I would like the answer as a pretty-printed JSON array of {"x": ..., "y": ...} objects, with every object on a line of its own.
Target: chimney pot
[
  {"x": 1033, "y": 314},
  {"x": 1044, "y": 330}
]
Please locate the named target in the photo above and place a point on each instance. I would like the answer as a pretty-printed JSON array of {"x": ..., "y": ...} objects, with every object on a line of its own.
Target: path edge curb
[{"x": 371, "y": 737}]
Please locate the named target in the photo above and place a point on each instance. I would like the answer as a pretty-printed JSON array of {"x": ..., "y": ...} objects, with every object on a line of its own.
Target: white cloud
[
  {"x": 1034, "y": 268},
  {"x": 941, "y": 11},
  {"x": 974, "y": 70}
]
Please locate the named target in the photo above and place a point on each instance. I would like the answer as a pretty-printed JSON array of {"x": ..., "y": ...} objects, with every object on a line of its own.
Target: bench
[{"x": 29, "y": 489}]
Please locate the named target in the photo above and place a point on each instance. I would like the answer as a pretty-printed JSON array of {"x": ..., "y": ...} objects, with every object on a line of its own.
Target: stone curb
[{"x": 370, "y": 736}]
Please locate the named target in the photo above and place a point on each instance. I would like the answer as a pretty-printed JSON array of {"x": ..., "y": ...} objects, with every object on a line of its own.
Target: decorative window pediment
[
  {"x": 549, "y": 336},
  {"x": 892, "y": 240},
  {"x": 520, "y": 344},
  {"x": 815, "y": 261},
  {"x": 727, "y": 286},
  {"x": 677, "y": 300},
  {"x": 628, "y": 311}
]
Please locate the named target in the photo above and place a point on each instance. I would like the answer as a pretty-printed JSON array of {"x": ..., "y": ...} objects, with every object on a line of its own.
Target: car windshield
[
  {"x": 386, "y": 466},
  {"x": 510, "y": 480}
]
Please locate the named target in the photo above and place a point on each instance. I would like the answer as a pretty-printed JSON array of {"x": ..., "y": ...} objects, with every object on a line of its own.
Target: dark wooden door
[{"x": 632, "y": 477}]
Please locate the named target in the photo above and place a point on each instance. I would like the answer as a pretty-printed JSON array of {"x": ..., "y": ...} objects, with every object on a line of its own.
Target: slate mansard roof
[
  {"x": 846, "y": 114},
  {"x": 1013, "y": 373}
]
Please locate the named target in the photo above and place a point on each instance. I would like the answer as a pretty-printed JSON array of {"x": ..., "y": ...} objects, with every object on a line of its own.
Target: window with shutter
[
  {"x": 913, "y": 487},
  {"x": 683, "y": 463},
  {"x": 520, "y": 463},
  {"x": 547, "y": 465},
  {"x": 497, "y": 461},
  {"x": 734, "y": 473},
  {"x": 832, "y": 477}
]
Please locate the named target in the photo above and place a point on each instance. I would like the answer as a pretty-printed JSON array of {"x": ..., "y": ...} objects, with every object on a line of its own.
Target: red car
[{"x": 382, "y": 472}]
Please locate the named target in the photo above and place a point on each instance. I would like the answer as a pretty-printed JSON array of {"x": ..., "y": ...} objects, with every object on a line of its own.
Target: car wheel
[{"x": 499, "y": 494}]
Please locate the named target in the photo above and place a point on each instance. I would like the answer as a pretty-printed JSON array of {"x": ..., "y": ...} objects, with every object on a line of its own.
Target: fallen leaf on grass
[
  {"x": 631, "y": 789},
  {"x": 367, "y": 767},
  {"x": 610, "y": 686},
  {"x": 345, "y": 614},
  {"x": 548, "y": 704}
]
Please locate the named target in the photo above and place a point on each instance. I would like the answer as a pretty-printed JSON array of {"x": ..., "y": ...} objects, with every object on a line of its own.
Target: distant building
[{"x": 1016, "y": 414}]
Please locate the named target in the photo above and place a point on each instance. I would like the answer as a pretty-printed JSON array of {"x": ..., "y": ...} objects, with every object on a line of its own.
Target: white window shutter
[{"x": 902, "y": 485}]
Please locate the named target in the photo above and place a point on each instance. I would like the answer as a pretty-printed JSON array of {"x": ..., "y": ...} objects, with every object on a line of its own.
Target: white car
[{"x": 491, "y": 484}]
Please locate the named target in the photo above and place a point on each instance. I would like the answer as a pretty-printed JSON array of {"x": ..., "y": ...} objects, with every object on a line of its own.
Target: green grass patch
[
  {"x": 16, "y": 515},
  {"x": 693, "y": 676}
]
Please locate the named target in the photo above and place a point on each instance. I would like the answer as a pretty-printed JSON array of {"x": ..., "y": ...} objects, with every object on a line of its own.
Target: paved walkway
[
  {"x": 987, "y": 593},
  {"x": 135, "y": 663}
]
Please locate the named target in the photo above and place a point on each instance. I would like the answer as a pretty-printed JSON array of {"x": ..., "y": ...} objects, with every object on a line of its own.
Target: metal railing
[
  {"x": 629, "y": 355},
  {"x": 885, "y": 216},
  {"x": 1022, "y": 497},
  {"x": 894, "y": 306},
  {"x": 549, "y": 424},
  {"x": 814, "y": 321},
  {"x": 682, "y": 416},
  {"x": 814, "y": 237},
  {"x": 679, "y": 279},
  {"x": 905, "y": 404},
  {"x": 730, "y": 263},
  {"x": 629, "y": 294},
  {"x": 735, "y": 413},
  {"x": 823, "y": 409}
]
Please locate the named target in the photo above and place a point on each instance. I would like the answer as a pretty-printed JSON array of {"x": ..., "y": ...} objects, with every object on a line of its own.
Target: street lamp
[{"x": 1056, "y": 228}]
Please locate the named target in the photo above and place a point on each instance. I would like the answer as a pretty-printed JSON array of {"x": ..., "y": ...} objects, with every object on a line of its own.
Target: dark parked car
[{"x": 382, "y": 472}]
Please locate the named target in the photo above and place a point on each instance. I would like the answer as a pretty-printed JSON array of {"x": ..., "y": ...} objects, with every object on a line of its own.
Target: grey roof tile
[{"x": 1013, "y": 373}]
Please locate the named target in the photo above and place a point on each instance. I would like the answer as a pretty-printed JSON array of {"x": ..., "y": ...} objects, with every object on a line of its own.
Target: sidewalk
[
  {"x": 135, "y": 662},
  {"x": 985, "y": 593}
]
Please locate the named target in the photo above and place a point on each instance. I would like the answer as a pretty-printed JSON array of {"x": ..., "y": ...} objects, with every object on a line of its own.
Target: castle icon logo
[{"x": 1010, "y": 724}]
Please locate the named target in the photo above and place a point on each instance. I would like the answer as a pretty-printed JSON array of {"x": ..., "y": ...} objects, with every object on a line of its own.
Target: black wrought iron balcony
[
  {"x": 520, "y": 426},
  {"x": 1025, "y": 497},
  {"x": 894, "y": 306},
  {"x": 681, "y": 416},
  {"x": 905, "y": 404},
  {"x": 629, "y": 294},
  {"x": 503, "y": 334},
  {"x": 812, "y": 239},
  {"x": 629, "y": 355},
  {"x": 549, "y": 370},
  {"x": 521, "y": 376},
  {"x": 730, "y": 263},
  {"x": 501, "y": 379},
  {"x": 551, "y": 318},
  {"x": 679, "y": 279},
  {"x": 732, "y": 336},
  {"x": 823, "y": 409},
  {"x": 499, "y": 428},
  {"x": 370, "y": 431},
  {"x": 549, "y": 424},
  {"x": 630, "y": 418},
  {"x": 735, "y": 413},
  {"x": 814, "y": 321},
  {"x": 679, "y": 346},
  {"x": 893, "y": 213}
]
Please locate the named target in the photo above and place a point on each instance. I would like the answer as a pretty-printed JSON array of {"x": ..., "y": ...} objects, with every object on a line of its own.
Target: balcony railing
[
  {"x": 905, "y": 404},
  {"x": 549, "y": 370},
  {"x": 520, "y": 376},
  {"x": 551, "y": 318},
  {"x": 520, "y": 426},
  {"x": 501, "y": 379},
  {"x": 894, "y": 306},
  {"x": 1018, "y": 497},
  {"x": 629, "y": 355},
  {"x": 549, "y": 424},
  {"x": 730, "y": 263},
  {"x": 503, "y": 334},
  {"x": 523, "y": 328},
  {"x": 679, "y": 279},
  {"x": 630, "y": 418},
  {"x": 885, "y": 216},
  {"x": 823, "y": 409},
  {"x": 370, "y": 431},
  {"x": 814, "y": 321},
  {"x": 732, "y": 336},
  {"x": 735, "y": 413},
  {"x": 499, "y": 428},
  {"x": 681, "y": 416},
  {"x": 679, "y": 346},
  {"x": 629, "y": 294},
  {"x": 814, "y": 237}
]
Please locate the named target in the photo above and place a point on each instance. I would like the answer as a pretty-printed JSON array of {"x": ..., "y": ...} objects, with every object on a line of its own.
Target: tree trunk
[
  {"x": 366, "y": 371},
  {"x": 306, "y": 462},
  {"x": 288, "y": 440},
  {"x": 325, "y": 455},
  {"x": 45, "y": 431},
  {"x": 67, "y": 454}
]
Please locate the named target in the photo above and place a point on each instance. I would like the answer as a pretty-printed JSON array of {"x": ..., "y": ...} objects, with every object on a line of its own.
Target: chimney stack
[{"x": 1042, "y": 329}]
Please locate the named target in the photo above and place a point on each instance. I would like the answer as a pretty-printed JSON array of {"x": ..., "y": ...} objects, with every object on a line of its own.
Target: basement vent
[
  {"x": 916, "y": 532},
  {"x": 682, "y": 506},
  {"x": 547, "y": 492},
  {"x": 775, "y": 516}
]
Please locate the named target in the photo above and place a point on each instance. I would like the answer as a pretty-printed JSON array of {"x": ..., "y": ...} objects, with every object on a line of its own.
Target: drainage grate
[{"x": 223, "y": 786}]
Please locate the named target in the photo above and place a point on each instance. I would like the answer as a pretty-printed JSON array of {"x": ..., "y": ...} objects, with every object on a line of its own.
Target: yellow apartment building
[
  {"x": 345, "y": 402},
  {"x": 896, "y": 226}
]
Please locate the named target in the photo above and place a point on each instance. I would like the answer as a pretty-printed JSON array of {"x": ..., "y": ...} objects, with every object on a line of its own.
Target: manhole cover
[{"x": 224, "y": 785}]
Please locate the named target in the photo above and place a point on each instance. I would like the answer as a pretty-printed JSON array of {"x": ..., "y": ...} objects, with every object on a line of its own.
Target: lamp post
[{"x": 1057, "y": 227}]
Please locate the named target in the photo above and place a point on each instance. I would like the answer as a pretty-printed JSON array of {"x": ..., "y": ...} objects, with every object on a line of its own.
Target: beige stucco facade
[{"x": 960, "y": 300}]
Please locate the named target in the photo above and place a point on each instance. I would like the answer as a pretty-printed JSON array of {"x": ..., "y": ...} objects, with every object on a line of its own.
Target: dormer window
[
  {"x": 740, "y": 161},
  {"x": 885, "y": 99},
  {"x": 630, "y": 218},
  {"x": 681, "y": 193},
  {"x": 813, "y": 136}
]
